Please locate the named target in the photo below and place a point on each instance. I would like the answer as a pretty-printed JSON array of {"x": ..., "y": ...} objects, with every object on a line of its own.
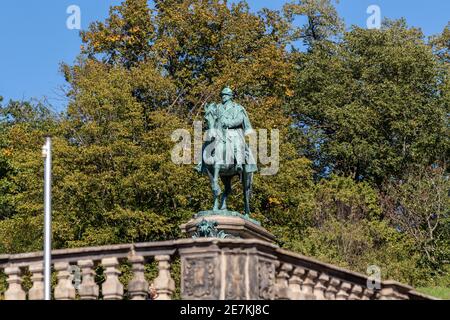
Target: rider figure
[
  {"x": 235, "y": 123},
  {"x": 225, "y": 154}
]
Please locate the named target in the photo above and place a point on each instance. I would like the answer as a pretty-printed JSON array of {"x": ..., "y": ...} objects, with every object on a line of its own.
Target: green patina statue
[
  {"x": 226, "y": 153},
  {"x": 208, "y": 229}
]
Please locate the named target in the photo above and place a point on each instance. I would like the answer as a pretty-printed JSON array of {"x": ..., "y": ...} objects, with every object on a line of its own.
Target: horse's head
[{"x": 211, "y": 115}]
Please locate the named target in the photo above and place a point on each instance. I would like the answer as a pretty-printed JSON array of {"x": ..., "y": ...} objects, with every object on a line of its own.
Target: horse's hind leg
[
  {"x": 214, "y": 180},
  {"x": 216, "y": 187},
  {"x": 246, "y": 186},
  {"x": 227, "y": 184}
]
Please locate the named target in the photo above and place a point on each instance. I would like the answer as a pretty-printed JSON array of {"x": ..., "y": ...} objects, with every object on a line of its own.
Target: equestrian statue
[{"x": 225, "y": 153}]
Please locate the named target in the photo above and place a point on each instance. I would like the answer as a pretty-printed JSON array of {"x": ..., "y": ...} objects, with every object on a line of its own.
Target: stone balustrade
[{"x": 228, "y": 269}]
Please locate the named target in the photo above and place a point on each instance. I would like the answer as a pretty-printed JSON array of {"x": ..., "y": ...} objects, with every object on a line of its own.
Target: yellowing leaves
[
  {"x": 290, "y": 93},
  {"x": 134, "y": 29},
  {"x": 114, "y": 38},
  {"x": 274, "y": 201},
  {"x": 7, "y": 152}
]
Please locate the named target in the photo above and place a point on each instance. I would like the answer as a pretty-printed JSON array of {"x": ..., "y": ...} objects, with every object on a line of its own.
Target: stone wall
[{"x": 228, "y": 269}]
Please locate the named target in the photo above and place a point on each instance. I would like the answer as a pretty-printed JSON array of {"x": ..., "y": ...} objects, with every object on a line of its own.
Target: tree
[
  {"x": 23, "y": 126},
  {"x": 362, "y": 106},
  {"x": 347, "y": 227},
  {"x": 125, "y": 37},
  {"x": 114, "y": 180},
  {"x": 419, "y": 206},
  {"x": 441, "y": 45},
  {"x": 198, "y": 47},
  {"x": 323, "y": 22},
  {"x": 372, "y": 105}
]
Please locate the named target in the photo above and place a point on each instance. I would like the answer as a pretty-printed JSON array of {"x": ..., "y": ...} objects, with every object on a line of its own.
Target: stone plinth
[
  {"x": 211, "y": 271},
  {"x": 234, "y": 225}
]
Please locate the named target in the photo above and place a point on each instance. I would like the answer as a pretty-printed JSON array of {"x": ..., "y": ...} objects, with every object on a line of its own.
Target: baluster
[
  {"x": 282, "y": 278},
  {"x": 138, "y": 286},
  {"x": 389, "y": 292},
  {"x": 112, "y": 289},
  {"x": 319, "y": 289},
  {"x": 332, "y": 289},
  {"x": 88, "y": 289},
  {"x": 295, "y": 284},
  {"x": 368, "y": 294},
  {"x": 356, "y": 293},
  {"x": 308, "y": 285},
  {"x": 401, "y": 296},
  {"x": 64, "y": 290},
  {"x": 37, "y": 277},
  {"x": 15, "y": 290},
  {"x": 164, "y": 284},
  {"x": 386, "y": 294},
  {"x": 344, "y": 289}
]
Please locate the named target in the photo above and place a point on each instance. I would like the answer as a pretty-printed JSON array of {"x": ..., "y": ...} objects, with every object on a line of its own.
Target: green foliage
[
  {"x": 3, "y": 285},
  {"x": 125, "y": 36},
  {"x": 355, "y": 110},
  {"x": 372, "y": 103},
  {"x": 347, "y": 229},
  {"x": 195, "y": 48},
  {"x": 323, "y": 21},
  {"x": 438, "y": 292},
  {"x": 419, "y": 205}
]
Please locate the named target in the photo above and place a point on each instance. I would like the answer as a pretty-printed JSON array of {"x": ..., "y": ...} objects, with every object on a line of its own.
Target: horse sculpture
[{"x": 219, "y": 142}]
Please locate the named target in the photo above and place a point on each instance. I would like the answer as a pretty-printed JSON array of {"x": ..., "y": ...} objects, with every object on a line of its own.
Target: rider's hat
[{"x": 227, "y": 92}]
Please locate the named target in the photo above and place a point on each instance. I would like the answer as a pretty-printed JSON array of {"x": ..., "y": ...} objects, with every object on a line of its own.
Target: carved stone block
[
  {"x": 235, "y": 276},
  {"x": 201, "y": 278}
]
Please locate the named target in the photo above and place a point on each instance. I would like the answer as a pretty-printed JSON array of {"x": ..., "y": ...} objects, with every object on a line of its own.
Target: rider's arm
[{"x": 235, "y": 123}]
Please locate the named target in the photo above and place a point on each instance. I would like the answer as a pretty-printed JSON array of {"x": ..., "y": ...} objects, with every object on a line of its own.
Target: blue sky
[{"x": 34, "y": 38}]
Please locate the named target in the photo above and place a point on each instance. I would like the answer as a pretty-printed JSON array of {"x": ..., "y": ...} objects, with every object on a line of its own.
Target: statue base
[{"x": 226, "y": 224}]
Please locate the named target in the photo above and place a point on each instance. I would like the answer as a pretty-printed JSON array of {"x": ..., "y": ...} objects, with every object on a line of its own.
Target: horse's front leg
[
  {"x": 227, "y": 183},
  {"x": 216, "y": 187}
]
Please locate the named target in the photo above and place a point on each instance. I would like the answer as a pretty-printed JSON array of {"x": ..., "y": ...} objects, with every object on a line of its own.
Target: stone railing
[{"x": 229, "y": 269}]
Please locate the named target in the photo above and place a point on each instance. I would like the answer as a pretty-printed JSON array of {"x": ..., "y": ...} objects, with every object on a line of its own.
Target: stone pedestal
[
  {"x": 228, "y": 271},
  {"x": 229, "y": 225}
]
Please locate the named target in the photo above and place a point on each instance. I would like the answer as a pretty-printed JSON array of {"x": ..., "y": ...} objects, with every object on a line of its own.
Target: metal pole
[{"x": 47, "y": 154}]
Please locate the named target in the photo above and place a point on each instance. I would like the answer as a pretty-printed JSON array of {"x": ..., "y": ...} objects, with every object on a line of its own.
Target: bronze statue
[{"x": 226, "y": 153}]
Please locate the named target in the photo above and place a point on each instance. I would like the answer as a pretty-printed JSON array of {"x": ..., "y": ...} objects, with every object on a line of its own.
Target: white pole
[{"x": 47, "y": 154}]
